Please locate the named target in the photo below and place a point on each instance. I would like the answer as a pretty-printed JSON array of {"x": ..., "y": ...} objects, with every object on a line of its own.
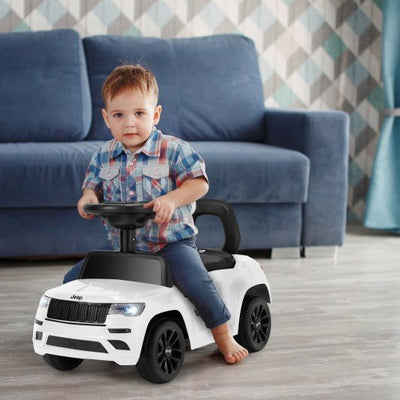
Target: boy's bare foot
[{"x": 232, "y": 351}]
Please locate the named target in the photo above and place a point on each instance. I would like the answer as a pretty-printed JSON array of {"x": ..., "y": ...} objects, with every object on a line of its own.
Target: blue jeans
[{"x": 189, "y": 275}]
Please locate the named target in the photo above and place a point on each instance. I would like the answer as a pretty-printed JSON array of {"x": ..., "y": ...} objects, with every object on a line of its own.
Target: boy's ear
[
  {"x": 157, "y": 115},
  {"x": 105, "y": 117}
]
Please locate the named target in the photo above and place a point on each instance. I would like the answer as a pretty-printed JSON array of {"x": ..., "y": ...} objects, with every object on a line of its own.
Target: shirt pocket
[
  {"x": 156, "y": 180},
  {"x": 111, "y": 183}
]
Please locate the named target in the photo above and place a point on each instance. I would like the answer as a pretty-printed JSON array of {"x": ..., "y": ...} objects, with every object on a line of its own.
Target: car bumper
[{"x": 113, "y": 341}]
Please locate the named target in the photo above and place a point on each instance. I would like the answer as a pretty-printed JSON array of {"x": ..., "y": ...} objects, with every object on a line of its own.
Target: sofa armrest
[{"x": 323, "y": 137}]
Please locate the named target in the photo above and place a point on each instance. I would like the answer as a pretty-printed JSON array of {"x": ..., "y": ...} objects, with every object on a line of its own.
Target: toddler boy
[{"x": 142, "y": 164}]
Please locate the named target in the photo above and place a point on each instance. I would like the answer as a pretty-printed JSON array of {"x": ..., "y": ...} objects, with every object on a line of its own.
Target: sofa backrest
[
  {"x": 210, "y": 87},
  {"x": 44, "y": 91}
]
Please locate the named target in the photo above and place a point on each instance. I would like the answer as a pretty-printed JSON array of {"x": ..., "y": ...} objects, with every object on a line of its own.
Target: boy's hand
[
  {"x": 89, "y": 198},
  {"x": 163, "y": 207}
]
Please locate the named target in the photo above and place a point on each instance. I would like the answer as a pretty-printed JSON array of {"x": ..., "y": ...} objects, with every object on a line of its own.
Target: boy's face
[{"x": 130, "y": 116}]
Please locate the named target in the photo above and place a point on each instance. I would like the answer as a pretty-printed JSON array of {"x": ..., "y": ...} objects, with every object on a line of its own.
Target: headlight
[
  {"x": 129, "y": 309},
  {"x": 44, "y": 302}
]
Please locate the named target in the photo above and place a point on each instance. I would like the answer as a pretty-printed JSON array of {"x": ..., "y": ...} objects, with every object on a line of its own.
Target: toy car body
[{"x": 113, "y": 312}]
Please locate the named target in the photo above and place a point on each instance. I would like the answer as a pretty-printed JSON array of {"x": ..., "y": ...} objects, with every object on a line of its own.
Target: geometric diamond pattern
[{"x": 313, "y": 54}]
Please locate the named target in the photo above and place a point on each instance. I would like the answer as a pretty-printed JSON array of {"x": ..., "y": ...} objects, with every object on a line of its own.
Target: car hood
[{"x": 106, "y": 291}]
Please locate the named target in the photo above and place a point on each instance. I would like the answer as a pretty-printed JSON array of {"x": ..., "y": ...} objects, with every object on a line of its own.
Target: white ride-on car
[{"x": 124, "y": 307}]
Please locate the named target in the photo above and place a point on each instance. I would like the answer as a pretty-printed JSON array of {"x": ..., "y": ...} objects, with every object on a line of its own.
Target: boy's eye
[
  {"x": 117, "y": 115},
  {"x": 139, "y": 113}
]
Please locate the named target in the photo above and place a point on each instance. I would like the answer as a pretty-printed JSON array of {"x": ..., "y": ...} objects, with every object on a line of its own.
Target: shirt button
[{"x": 131, "y": 193}]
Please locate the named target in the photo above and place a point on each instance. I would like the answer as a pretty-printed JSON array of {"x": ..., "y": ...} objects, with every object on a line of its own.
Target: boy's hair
[{"x": 129, "y": 77}]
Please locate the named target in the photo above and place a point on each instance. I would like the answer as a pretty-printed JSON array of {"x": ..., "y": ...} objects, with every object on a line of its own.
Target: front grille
[{"x": 75, "y": 311}]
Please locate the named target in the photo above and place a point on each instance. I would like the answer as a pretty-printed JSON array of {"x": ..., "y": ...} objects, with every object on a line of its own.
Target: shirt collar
[{"x": 151, "y": 148}]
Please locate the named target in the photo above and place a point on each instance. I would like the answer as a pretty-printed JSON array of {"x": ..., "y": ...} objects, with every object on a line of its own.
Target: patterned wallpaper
[{"x": 313, "y": 54}]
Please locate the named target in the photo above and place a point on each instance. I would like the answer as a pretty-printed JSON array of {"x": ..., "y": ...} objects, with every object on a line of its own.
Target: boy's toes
[
  {"x": 230, "y": 359},
  {"x": 240, "y": 355},
  {"x": 236, "y": 357}
]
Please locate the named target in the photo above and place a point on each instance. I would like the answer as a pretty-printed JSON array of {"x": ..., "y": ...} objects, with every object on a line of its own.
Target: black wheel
[
  {"x": 163, "y": 352},
  {"x": 62, "y": 363},
  {"x": 255, "y": 324}
]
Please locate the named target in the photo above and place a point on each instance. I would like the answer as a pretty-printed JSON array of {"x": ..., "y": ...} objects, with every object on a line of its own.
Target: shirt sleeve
[
  {"x": 92, "y": 178},
  {"x": 188, "y": 165}
]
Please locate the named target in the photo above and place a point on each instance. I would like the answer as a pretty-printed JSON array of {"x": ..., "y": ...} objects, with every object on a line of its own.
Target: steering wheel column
[{"x": 127, "y": 217}]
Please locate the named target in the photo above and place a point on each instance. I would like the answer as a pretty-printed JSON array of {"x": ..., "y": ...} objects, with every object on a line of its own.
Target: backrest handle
[{"x": 225, "y": 213}]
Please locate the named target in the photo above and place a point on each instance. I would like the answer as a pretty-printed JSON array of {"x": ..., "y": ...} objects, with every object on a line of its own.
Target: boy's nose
[{"x": 130, "y": 122}]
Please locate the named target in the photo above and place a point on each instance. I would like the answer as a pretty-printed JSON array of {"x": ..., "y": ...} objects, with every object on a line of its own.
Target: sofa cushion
[
  {"x": 43, "y": 174},
  {"x": 254, "y": 172},
  {"x": 40, "y": 232},
  {"x": 44, "y": 87},
  {"x": 51, "y": 174},
  {"x": 210, "y": 87},
  {"x": 261, "y": 225}
]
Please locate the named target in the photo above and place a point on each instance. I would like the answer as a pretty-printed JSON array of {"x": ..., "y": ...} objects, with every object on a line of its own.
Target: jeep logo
[{"x": 74, "y": 297}]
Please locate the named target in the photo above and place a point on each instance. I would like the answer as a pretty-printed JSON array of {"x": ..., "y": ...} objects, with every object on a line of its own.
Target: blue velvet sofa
[{"x": 284, "y": 171}]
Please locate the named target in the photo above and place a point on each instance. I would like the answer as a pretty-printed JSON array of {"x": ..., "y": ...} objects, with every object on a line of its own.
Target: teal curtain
[{"x": 383, "y": 199}]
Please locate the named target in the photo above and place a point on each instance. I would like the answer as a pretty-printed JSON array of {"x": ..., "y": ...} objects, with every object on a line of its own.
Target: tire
[
  {"x": 62, "y": 363},
  {"x": 163, "y": 352},
  {"x": 255, "y": 324}
]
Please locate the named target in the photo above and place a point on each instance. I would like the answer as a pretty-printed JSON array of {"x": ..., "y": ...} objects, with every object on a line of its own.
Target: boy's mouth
[{"x": 130, "y": 135}]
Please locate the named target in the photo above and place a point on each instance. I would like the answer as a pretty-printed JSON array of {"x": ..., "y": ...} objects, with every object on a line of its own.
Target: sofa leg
[
  {"x": 321, "y": 252},
  {"x": 285, "y": 253}
]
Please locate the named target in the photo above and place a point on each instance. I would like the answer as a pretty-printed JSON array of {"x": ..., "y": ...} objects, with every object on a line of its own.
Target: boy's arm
[
  {"x": 89, "y": 197},
  {"x": 91, "y": 185},
  {"x": 190, "y": 190}
]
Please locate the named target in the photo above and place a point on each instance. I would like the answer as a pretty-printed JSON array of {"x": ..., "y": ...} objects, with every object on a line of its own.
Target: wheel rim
[
  {"x": 169, "y": 351},
  {"x": 260, "y": 324}
]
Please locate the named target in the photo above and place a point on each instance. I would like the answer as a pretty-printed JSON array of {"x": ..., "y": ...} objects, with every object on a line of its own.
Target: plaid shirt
[{"x": 161, "y": 165}]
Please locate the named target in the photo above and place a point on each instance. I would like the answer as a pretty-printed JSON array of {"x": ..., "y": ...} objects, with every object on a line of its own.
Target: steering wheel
[{"x": 125, "y": 216}]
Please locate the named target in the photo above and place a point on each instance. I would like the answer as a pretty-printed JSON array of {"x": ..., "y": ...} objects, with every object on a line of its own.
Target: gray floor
[{"x": 335, "y": 335}]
